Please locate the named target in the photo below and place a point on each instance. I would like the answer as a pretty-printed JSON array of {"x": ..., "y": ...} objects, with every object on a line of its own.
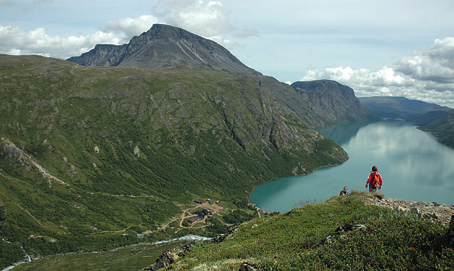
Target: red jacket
[{"x": 371, "y": 177}]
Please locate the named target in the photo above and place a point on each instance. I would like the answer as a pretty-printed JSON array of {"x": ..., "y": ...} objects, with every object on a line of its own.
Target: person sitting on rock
[
  {"x": 344, "y": 191},
  {"x": 375, "y": 180}
]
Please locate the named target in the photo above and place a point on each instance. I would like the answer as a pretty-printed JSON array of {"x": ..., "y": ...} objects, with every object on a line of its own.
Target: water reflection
[
  {"x": 403, "y": 151},
  {"x": 413, "y": 164},
  {"x": 343, "y": 132}
]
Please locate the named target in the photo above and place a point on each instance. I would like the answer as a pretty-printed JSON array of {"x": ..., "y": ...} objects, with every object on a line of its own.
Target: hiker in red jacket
[{"x": 374, "y": 181}]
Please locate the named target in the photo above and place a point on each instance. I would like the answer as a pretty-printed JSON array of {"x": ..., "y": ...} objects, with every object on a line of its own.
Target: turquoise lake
[{"x": 414, "y": 166}]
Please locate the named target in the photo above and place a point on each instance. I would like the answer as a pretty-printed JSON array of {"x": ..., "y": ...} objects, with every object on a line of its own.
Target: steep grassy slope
[
  {"x": 92, "y": 156},
  {"x": 306, "y": 239}
]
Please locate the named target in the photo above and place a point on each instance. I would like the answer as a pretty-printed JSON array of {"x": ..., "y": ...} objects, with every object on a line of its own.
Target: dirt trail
[
  {"x": 34, "y": 218},
  {"x": 28, "y": 159}
]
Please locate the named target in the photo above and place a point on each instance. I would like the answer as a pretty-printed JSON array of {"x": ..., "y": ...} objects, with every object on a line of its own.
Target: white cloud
[
  {"x": 386, "y": 82},
  {"x": 426, "y": 75},
  {"x": 207, "y": 19},
  {"x": 362, "y": 80},
  {"x": 129, "y": 27},
  {"x": 14, "y": 40},
  {"x": 433, "y": 64}
]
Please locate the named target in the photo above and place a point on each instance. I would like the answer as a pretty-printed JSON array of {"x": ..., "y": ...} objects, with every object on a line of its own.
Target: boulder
[{"x": 247, "y": 267}]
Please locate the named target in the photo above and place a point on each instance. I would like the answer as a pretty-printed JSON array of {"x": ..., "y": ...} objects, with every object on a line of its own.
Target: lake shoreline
[
  {"x": 414, "y": 166},
  {"x": 327, "y": 166}
]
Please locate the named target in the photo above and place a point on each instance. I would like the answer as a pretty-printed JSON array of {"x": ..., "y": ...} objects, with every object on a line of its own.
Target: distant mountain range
[
  {"x": 432, "y": 118},
  {"x": 399, "y": 107}
]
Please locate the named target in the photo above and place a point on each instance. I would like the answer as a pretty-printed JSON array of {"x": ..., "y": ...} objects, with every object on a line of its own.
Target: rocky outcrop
[
  {"x": 12, "y": 154},
  {"x": 15, "y": 155},
  {"x": 164, "y": 46},
  {"x": 333, "y": 102},
  {"x": 248, "y": 267},
  {"x": 168, "y": 257},
  {"x": 342, "y": 229},
  {"x": 434, "y": 211}
]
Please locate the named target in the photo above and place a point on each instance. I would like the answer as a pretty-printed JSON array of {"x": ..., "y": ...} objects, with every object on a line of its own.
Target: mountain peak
[{"x": 164, "y": 46}]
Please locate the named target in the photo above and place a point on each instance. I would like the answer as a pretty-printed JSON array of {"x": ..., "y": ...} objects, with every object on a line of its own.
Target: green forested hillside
[{"x": 92, "y": 156}]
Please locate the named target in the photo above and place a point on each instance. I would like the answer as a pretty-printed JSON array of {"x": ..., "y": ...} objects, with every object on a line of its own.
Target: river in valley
[{"x": 414, "y": 166}]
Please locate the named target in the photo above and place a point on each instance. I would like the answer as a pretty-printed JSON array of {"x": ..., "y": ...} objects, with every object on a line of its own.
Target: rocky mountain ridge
[{"x": 164, "y": 46}]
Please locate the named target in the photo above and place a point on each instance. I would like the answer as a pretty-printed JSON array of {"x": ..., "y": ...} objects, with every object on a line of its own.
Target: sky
[{"x": 378, "y": 48}]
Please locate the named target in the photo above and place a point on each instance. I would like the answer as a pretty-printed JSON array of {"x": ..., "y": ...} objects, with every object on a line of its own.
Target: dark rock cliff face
[
  {"x": 164, "y": 46},
  {"x": 101, "y": 55},
  {"x": 333, "y": 102}
]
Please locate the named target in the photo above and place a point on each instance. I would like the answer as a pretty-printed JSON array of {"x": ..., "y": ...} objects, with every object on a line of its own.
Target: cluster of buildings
[
  {"x": 203, "y": 213},
  {"x": 200, "y": 216}
]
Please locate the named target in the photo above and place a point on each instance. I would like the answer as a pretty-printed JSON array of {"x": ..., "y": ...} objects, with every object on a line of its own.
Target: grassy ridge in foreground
[{"x": 394, "y": 240}]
